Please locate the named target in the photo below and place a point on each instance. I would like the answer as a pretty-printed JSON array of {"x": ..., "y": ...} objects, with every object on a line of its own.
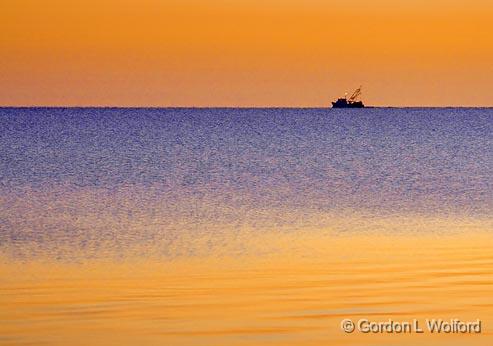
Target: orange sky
[{"x": 245, "y": 52}]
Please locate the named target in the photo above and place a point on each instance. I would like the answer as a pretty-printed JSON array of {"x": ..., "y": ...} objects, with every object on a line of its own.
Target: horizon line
[{"x": 222, "y": 107}]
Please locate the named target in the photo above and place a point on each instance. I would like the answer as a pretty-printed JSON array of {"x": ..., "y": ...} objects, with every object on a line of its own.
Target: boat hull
[{"x": 357, "y": 104}]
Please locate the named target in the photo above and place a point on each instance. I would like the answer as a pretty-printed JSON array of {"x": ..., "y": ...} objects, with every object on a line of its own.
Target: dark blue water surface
[{"x": 239, "y": 162}]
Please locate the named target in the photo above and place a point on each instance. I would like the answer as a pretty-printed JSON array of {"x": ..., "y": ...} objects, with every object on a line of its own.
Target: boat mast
[{"x": 355, "y": 94}]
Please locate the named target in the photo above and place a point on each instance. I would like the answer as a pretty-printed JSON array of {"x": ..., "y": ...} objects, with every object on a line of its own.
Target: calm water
[{"x": 242, "y": 226}]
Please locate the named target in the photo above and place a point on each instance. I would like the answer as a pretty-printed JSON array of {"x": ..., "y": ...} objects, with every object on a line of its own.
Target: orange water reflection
[{"x": 293, "y": 297}]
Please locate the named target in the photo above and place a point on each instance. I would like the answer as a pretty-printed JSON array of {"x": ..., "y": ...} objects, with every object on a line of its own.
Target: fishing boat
[{"x": 351, "y": 102}]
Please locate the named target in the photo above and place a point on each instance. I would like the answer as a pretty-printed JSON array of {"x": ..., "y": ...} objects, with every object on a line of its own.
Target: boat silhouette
[{"x": 350, "y": 102}]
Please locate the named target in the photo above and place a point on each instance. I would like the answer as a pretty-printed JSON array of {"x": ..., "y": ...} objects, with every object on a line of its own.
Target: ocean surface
[{"x": 243, "y": 226}]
